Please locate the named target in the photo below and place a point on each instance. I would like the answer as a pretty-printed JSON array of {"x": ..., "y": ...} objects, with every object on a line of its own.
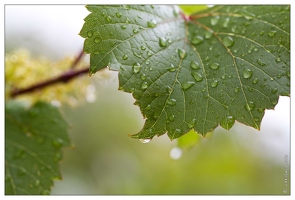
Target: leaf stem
[{"x": 63, "y": 78}]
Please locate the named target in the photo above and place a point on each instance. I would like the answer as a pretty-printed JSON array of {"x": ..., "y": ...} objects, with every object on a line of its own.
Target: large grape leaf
[
  {"x": 215, "y": 67},
  {"x": 33, "y": 141}
]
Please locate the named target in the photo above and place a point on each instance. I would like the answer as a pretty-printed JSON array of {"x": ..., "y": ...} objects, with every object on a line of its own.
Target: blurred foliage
[
  {"x": 106, "y": 161},
  {"x": 190, "y": 9}
]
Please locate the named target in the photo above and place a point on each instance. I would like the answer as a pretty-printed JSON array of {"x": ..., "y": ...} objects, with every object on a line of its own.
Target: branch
[{"x": 64, "y": 78}]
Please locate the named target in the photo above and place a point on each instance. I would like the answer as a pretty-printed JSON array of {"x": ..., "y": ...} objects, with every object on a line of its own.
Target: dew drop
[
  {"x": 125, "y": 57},
  {"x": 162, "y": 42},
  {"x": 182, "y": 53},
  {"x": 175, "y": 153},
  {"x": 119, "y": 15},
  {"x": 275, "y": 90},
  {"x": 214, "y": 83},
  {"x": 214, "y": 20},
  {"x": 178, "y": 131},
  {"x": 149, "y": 53},
  {"x": 143, "y": 48},
  {"x": 144, "y": 141},
  {"x": 227, "y": 122},
  {"x": 237, "y": 89},
  {"x": 109, "y": 18},
  {"x": 187, "y": 85},
  {"x": 135, "y": 30},
  {"x": 192, "y": 123},
  {"x": 197, "y": 39},
  {"x": 144, "y": 85},
  {"x": 171, "y": 102},
  {"x": 171, "y": 118},
  {"x": 278, "y": 60},
  {"x": 255, "y": 81},
  {"x": 136, "y": 68},
  {"x": 37, "y": 183},
  {"x": 260, "y": 62},
  {"x": 198, "y": 77},
  {"x": 97, "y": 40},
  {"x": 208, "y": 34},
  {"x": 57, "y": 143},
  {"x": 228, "y": 41},
  {"x": 172, "y": 68},
  {"x": 152, "y": 23},
  {"x": 214, "y": 66},
  {"x": 271, "y": 33},
  {"x": 226, "y": 21},
  {"x": 195, "y": 65},
  {"x": 143, "y": 77},
  {"x": 247, "y": 73},
  {"x": 149, "y": 107},
  {"x": 260, "y": 110},
  {"x": 250, "y": 106},
  {"x": 89, "y": 33}
]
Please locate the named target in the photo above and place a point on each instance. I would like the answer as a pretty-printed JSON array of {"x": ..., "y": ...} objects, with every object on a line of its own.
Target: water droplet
[
  {"x": 214, "y": 66},
  {"x": 144, "y": 85},
  {"x": 237, "y": 89},
  {"x": 275, "y": 90},
  {"x": 182, "y": 53},
  {"x": 278, "y": 60},
  {"x": 149, "y": 53},
  {"x": 175, "y": 153},
  {"x": 255, "y": 81},
  {"x": 279, "y": 75},
  {"x": 214, "y": 20},
  {"x": 109, "y": 18},
  {"x": 119, "y": 15},
  {"x": 143, "y": 77},
  {"x": 228, "y": 41},
  {"x": 171, "y": 118},
  {"x": 227, "y": 122},
  {"x": 162, "y": 42},
  {"x": 250, "y": 106},
  {"x": 172, "y": 68},
  {"x": 226, "y": 21},
  {"x": 37, "y": 183},
  {"x": 123, "y": 27},
  {"x": 195, "y": 65},
  {"x": 208, "y": 34},
  {"x": 113, "y": 43},
  {"x": 57, "y": 143},
  {"x": 97, "y": 40},
  {"x": 135, "y": 30},
  {"x": 214, "y": 83},
  {"x": 271, "y": 33},
  {"x": 288, "y": 74},
  {"x": 149, "y": 107},
  {"x": 198, "y": 77},
  {"x": 143, "y": 48},
  {"x": 125, "y": 57},
  {"x": 192, "y": 123},
  {"x": 187, "y": 85},
  {"x": 260, "y": 110},
  {"x": 144, "y": 141},
  {"x": 178, "y": 131},
  {"x": 152, "y": 23},
  {"x": 197, "y": 39},
  {"x": 171, "y": 102},
  {"x": 89, "y": 33},
  {"x": 260, "y": 62},
  {"x": 207, "y": 58},
  {"x": 247, "y": 73}
]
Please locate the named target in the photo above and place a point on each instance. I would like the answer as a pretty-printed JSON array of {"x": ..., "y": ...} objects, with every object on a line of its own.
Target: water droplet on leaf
[
  {"x": 250, "y": 106},
  {"x": 172, "y": 68},
  {"x": 135, "y": 30},
  {"x": 125, "y": 57},
  {"x": 162, "y": 42},
  {"x": 214, "y": 20},
  {"x": 89, "y": 33},
  {"x": 192, "y": 123},
  {"x": 260, "y": 62},
  {"x": 97, "y": 40},
  {"x": 228, "y": 41},
  {"x": 171, "y": 102},
  {"x": 271, "y": 33},
  {"x": 187, "y": 85},
  {"x": 275, "y": 90},
  {"x": 123, "y": 27},
  {"x": 171, "y": 118},
  {"x": 144, "y": 141},
  {"x": 144, "y": 85},
  {"x": 214, "y": 83},
  {"x": 143, "y": 77},
  {"x": 152, "y": 23},
  {"x": 214, "y": 66},
  {"x": 197, "y": 39},
  {"x": 227, "y": 122},
  {"x": 247, "y": 73},
  {"x": 109, "y": 18},
  {"x": 198, "y": 77},
  {"x": 195, "y": 65},
  {"x": 182, "y": 53},
  {"x": 255, "y": 81}
]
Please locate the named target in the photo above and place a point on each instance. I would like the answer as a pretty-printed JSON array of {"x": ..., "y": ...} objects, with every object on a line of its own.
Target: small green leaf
[
  {"x": 189, "y": 140},
  {"x": 220, "y": 65},
  {"x": 33, "y": 141}
]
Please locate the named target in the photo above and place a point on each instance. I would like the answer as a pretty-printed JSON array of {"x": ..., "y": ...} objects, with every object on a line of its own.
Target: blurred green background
[{"x": 104, "y": 160}]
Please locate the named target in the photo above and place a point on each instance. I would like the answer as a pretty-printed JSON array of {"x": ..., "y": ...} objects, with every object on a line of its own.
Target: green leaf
[
  {"x": 189, "y": 140},
  {"x": 215, "y": 67},
  {"x": 190, "y": 9},
  {"x": 33, "y": 141}
]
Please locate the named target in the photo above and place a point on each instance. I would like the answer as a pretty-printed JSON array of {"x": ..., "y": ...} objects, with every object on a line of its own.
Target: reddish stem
[{"x": 62, "y": 78}]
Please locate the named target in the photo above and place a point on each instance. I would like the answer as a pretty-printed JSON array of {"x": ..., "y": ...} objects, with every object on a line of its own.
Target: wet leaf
[
  {"x": 33, "y": 141},
  {"x": 220, "y": 65}
]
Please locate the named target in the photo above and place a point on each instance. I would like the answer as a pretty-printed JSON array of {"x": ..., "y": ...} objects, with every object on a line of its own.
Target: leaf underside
[
  {"x": 215, "y": 67},
  {"x": 33, "y": 141}
]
